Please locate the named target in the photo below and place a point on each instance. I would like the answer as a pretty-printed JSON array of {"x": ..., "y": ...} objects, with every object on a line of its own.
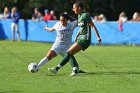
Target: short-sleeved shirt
[
  {"x": 16, "y": 17},
  {"x": 64, "y": 36}
]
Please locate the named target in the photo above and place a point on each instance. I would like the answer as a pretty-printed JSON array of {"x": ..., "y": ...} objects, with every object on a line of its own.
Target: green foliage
[
  {"x": 111, "y": 8},
  {"x": 110, "y": 69}
]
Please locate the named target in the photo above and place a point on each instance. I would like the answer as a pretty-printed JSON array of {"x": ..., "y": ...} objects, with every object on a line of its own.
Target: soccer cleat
[
  {"x": 52, "y": 70},
  {"x": 80, "y": 71},
  {"x": 73, "y": 74}
]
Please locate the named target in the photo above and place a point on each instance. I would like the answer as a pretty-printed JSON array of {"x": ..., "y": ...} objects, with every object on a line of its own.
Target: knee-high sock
[
  {"x": 68, "y": 57},
  {"x": 64, "y": 61},
  {"x": 75, "y": 67},
  {"x": 43, "y": 61},
  {"x": 73, "y": 62}
]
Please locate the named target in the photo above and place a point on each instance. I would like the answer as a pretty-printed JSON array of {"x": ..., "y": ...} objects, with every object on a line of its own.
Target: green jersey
[
  {"x": 84, "y": 39},
  {"x": 85, "y": 29}
]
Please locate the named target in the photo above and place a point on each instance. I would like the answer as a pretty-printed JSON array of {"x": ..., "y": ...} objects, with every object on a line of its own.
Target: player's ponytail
[{"x": 66, "y": 16}]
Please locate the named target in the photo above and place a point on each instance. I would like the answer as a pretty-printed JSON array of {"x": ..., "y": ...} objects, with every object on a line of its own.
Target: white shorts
[
  {"x": 60, "y": 49},
  {"x": 14, "y": 27}
]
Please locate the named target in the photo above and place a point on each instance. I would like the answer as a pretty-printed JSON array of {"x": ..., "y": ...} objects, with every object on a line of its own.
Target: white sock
[
  {"x": 42, "y": 62},
  {"x": 75, "y": 68},
  {"x": 59, "y": 66}
]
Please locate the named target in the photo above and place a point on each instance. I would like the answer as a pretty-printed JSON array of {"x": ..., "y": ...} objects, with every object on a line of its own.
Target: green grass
[{"x": 110, "y": 69}]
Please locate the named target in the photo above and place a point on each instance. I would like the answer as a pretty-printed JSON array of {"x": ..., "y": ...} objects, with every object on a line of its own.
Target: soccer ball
[{"x": 32, "y": 67}]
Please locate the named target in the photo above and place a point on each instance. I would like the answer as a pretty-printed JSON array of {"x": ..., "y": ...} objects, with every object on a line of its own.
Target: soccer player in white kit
[{"x": 64, "y": 30}]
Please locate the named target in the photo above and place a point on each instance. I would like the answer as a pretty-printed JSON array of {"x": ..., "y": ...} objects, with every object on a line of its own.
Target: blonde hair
[{"x": 136, "y": 15}]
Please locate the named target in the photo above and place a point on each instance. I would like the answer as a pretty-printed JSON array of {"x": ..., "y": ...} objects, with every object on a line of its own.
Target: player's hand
[{"x": 99, "y": 40}]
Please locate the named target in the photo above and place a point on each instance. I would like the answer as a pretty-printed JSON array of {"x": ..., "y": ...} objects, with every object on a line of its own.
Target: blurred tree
[{"x": 110, "y": 8}]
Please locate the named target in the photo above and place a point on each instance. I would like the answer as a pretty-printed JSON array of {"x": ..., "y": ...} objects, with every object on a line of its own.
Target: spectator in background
[
  {"x": 136, "y": 17},
  {"x": 53, "y": 17},
  {"x": 39, "y": 16},
  {"x": 95, "y": 19},
  {"x": 47, "y": 15},
  {"x": 35, "y": 15},
  {"x": 15, "y": 16},
  {"x": 6, "y": 13},
  {"x": 122, "y": 18},
  {"x": 102, "y": 18}
]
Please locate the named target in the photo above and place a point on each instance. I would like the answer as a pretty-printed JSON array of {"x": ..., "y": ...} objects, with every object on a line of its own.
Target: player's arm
[
  {"x": 77, "y": 36},
  {"x": 75, "y": 23},
  {"x": 95, "y": 30},
  {"x": 49, "y": 28}
]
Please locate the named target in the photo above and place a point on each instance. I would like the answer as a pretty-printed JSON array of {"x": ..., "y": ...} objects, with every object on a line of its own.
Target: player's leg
[
  {"x": 75, "y": 68},
  {"x": 16, "y": 29},
  {"x": 72, "y": 50},
  {"x": 13, "y": 31},
  {"x": 18, "y": 36},
  {"x": 73, "y": 63},
  {"x": 13, "y": 35},
  {"x": 64, "y": 50},
  {"x": 72, "y": 60},
  {"x": 51, "y": 54}
]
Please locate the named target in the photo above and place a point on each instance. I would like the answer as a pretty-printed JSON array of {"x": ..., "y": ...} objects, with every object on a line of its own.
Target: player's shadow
[
  {"x": 10, "y": 91},
  {"x": 72, "y": 92},
  {"x": 112, "y": 73},
  {"x": 53, "y": 92}
]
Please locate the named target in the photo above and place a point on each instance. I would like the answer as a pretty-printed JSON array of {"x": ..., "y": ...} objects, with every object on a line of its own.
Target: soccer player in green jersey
[{"x": 83, "y": 38}]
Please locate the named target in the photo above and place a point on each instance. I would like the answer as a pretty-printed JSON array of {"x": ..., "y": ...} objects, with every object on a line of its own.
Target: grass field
[{"x": 110, "y": 69}]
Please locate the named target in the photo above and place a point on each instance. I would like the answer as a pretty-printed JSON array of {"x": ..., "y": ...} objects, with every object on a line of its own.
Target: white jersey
[{"x": 64, "y": 36}]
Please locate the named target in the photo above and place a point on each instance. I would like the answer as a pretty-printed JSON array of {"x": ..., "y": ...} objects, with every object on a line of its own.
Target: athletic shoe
[
  {"x": 80, "y": 71},
  {"x": 52, "y": 70},
  {"x": 73, "y": 74}
]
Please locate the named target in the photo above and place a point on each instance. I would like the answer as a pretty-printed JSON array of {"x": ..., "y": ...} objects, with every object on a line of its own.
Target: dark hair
[
  {"x": 66, "y": 16},
  {"x": 79, "y": 4}
]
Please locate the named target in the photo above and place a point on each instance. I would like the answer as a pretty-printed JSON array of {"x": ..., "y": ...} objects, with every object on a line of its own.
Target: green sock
[
  {"x": 64, "y": 61},
  {"x": 73, "y": 62}
]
